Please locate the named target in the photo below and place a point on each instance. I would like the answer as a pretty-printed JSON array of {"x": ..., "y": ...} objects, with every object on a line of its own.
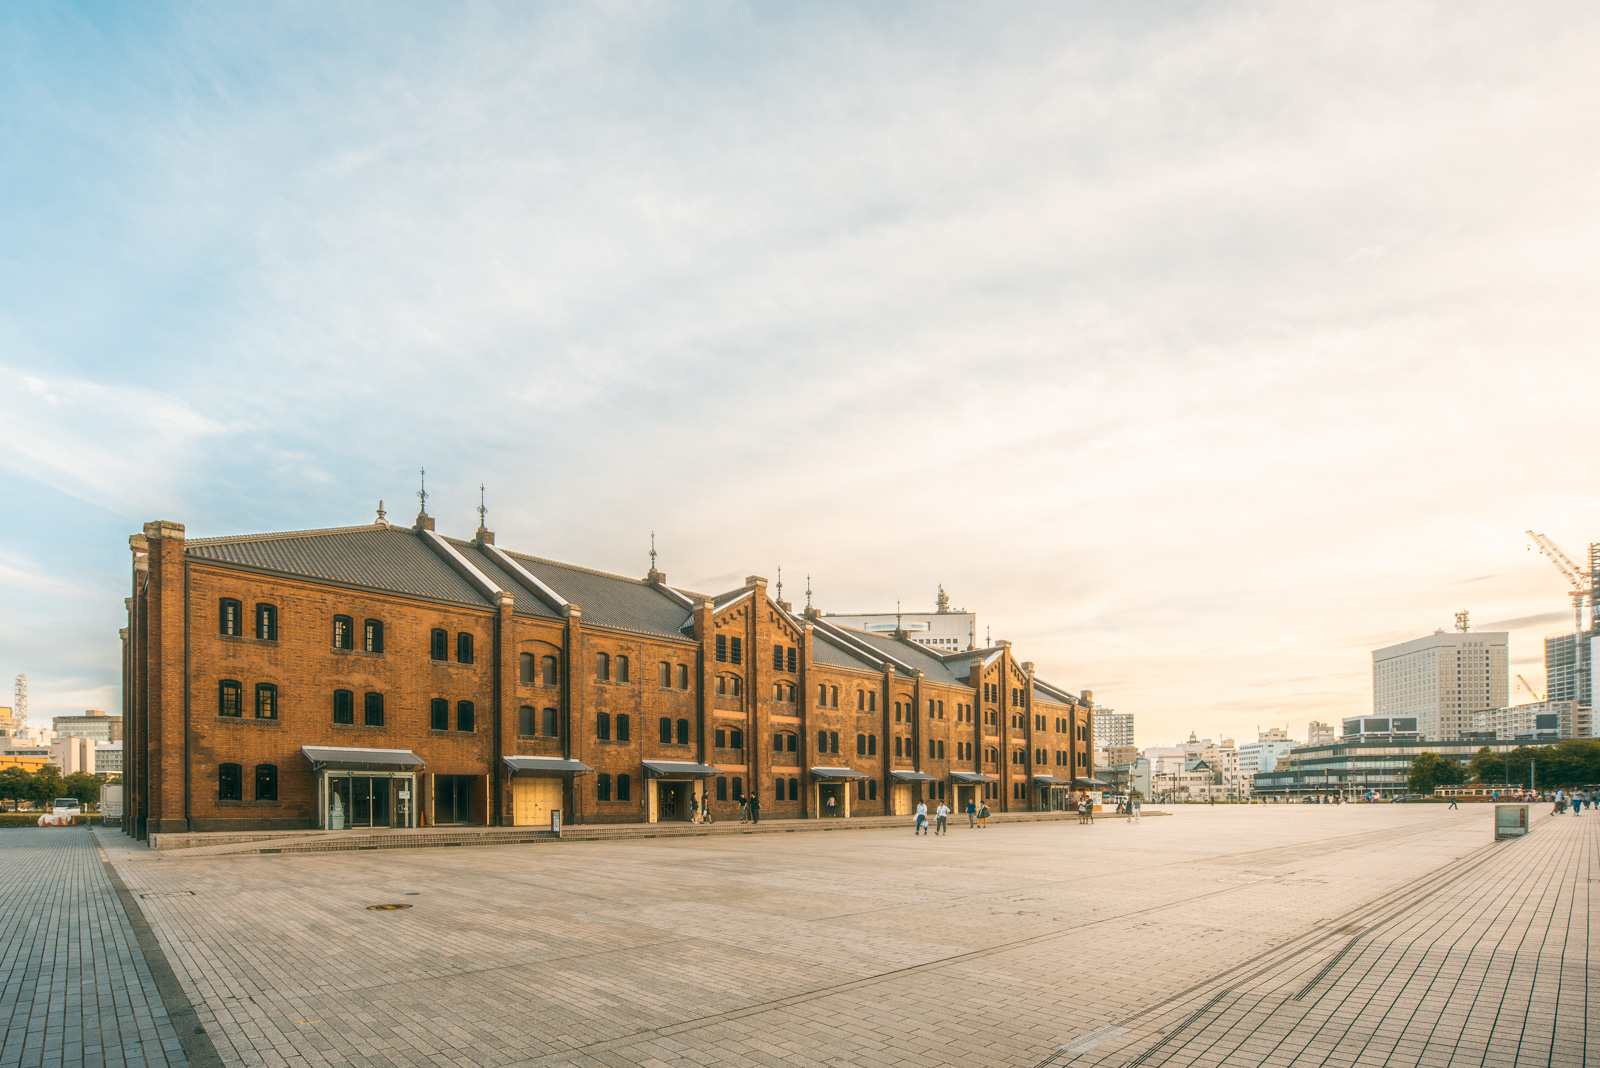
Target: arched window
[
  {"x": 466, "y": 716},
  {"x": 872, "y": 745},
  {"x": 822, "y": 741},
  {"x": 622, "y": 669},
  {"x": 547, "y": 670},
  {"x": 861, "y": 789},
  {"x": 602, "y": 667},
  {"x": 228, "y": 700},
  {"x": 664, "y": 672},
  {"x": 872, "y": 701},
  {"x": 722, "y": 787},
  {"x": 525, "y": 721},
  {"x": 861, "y": 701},
  {"x": 344, "y": 632},
  {"x": 463, "y": 648},
  {"x": 602, "y": 787},
  {"x": 624, "y": 788},
  {"x": 266, "y": 701},
  {"x": 736, "y": 739},
  {"x": 666, "y": 731},
  {"x": 833, "y": 741},
  {"x": 833, "y": 696},
  {"x": 683, "y": 676},
  {"x": 794, "y": 789},
  {"x": 550, "y": 721},
  {"x": 738, "y": 783},
  {"x": 372, "y": 710},
  {"x": 622, "y": 726},
  {"x": 861, "y": 745},
  {"x": 602, "y": 726},
  {"x": 897, "y": 746},
  {"x": 683, "y": 732},
  {"x": 344, "y": 706},
  {"x": 720, "y": 738},
  {"x": 266, "y": 782},
  {"x": 372, "y": 639},
  {"x": 527, "y": 667},
  {"x": 229, "y": 617},
  {"x": 266, "y": 623},
  {"x": 229, "y": 782},
  {"x": 439, "y": 714},
  {"x": 872, "y": 790},
  {"x": 439, "y": 644},
  {"x": 721, "y": 686},
  {"x": 822, "y": 694}
]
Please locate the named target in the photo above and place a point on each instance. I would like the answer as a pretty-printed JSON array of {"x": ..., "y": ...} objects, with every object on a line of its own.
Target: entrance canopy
[
  {"x": 676, "y": 769},
  {"x": 836, "y": 774},
  {"x": 1051, "y": 780},
  {"x": 973, "y": 776},
  {"x": 551, "y": 764},
  {"x": 1081, "y": 781},
  {"x": 912, "y": 776},
  {"x": 340, "y": 758}
]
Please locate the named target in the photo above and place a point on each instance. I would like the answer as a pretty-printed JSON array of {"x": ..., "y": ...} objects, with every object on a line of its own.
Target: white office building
[
  {"x": 1539, "y": 721},
  {"x": 1263, "y": 753},
  {"x": 943, "y": 629},
  {"x": 1441, "y": 680},
  {"x": 1112, "y": 728}
]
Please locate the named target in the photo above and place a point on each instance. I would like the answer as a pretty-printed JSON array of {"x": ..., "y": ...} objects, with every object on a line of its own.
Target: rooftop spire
[
  {"x": 652, "y": 550},
  {"x": 780, "y": 582},
  {"x": 381, "y": 521},
  {"x": 483, "y": 509},
  {"x": 808, "y": 593},
  {"x": 424, "y": 521}
]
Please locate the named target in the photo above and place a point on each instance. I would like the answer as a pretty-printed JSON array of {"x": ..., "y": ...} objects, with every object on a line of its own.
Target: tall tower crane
[
  {"x": 1582, "y": 584},
  {"x": 1537, "y": 696}
]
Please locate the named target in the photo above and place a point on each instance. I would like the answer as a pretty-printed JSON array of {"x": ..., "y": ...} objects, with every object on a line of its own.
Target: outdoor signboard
[{"x": 1510, "y": 821}]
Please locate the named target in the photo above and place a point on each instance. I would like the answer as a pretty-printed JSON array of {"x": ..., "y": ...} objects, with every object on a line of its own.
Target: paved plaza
[{"x": 1293, "y": 935}]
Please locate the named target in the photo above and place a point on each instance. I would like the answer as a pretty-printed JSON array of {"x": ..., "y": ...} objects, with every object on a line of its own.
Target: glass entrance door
[{"x": 365, "y": 801}]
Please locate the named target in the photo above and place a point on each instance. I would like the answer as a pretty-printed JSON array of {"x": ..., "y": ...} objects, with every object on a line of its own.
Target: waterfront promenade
[{"x": 1269, "y": 935}]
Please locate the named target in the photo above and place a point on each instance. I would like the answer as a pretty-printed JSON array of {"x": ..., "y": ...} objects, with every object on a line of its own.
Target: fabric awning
[
  {"x": 836, "y": 773},
  {"x": 677, "y": 769},
  {"x": 973, "y": 776},
  {"x": 912, "y": 776},
  {"x": 551, "y": 764},
  {"x": 337, "y": 756},
  {"x": 1051, "y": 780},
  {"x": 1081, "y": 781}
]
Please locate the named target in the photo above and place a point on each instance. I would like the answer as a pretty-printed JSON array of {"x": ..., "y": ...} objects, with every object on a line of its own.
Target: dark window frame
[
  {"x": 266, "y": 622},
  {"x": 230, "y": 627},
  {"x": 372, "y": 709},
  {"x": 230, "y": 782},
  {"x": 266, "y": 787},
  {"x": 225, "y": 689},
  {"x": 439, "y": 714},
  {"x": 466, "y": 717},
  {"x": 266, "y": 698},
  {"x": 344, "y": 707},
  {"x": 344, "y": 632},
  {"x": 439, "y": 645},
  {"x": 464, "y": 653},
  {"x": 372, "y": 637}
]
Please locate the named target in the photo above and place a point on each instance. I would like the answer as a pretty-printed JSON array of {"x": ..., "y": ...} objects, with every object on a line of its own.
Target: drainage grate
[{"x": 385, "y": 908}]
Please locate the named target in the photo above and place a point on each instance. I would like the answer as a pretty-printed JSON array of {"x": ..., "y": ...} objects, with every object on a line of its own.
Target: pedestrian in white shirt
[
  {"x": 922, "y": 818},
  {"x": 943, "y": 814}
]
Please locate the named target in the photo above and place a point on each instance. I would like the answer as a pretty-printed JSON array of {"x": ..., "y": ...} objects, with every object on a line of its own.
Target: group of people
[
  {"x": 977, "y": 816},
  {"x": 1129, "y": 807},
  {"x": 1576, "y": 798}
]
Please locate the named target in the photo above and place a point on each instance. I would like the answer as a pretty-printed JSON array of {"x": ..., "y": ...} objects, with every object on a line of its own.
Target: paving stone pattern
[
  {"x": 1292, "y": 935},
  {"x": 75, "y": 991}
]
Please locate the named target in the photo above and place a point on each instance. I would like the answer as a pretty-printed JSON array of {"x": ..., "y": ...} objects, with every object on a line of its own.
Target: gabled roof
[
  {"x": 611, "y": 600},
  {"x": 391, "y": 559},
  {"x": 523, "y": 599},
  {"x": 828, "y": 649},
  {"x": 908, "y": 656}
]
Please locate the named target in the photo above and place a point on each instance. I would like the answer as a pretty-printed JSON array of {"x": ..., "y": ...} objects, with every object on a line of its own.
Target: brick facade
[{"x": 563, "y": 663}]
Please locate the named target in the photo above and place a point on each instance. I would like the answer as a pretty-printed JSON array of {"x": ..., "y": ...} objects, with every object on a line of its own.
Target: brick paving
[
  {"x": 75, "y": 989},
  {"x": 1293, "y": 935}
]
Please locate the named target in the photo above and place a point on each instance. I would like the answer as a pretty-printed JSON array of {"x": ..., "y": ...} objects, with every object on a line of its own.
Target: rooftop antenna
[
  {"x": 808, "y": 593},
  {"x": 780, "y": 582},
  {"x": 1461, "y": 621},
  {"x": 988, "y": 642},
  {"x": 653, "y": 551},
  {"x": 897, "y": 625},
  {"x": 483, "y": 509},
  {"x": 422, "y": 494}
]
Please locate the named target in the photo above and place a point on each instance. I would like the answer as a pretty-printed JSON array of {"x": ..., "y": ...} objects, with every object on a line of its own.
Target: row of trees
[
  {"x": 46, "y": 784},
  {"x": 1570, "y": 763}
]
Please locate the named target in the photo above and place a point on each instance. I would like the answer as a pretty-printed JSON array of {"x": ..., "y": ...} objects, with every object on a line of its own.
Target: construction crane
[
  {"x": 1537, "y": 696},
  {"x": 1582, "y": 584}
]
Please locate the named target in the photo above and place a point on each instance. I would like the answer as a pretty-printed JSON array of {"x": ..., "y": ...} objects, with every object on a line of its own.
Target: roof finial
[
  {"x": 422, "y": 494},
  {"x": 943, "y": 603},
  {"x": 483, "y": 509},
  {"x": 780, "y": 582},
  {"x": 988, "y": 642},
  {"x": 808, "y": 593},
  {"x": 382, "y": 522},
  {"x": 652, "y": 550},
  {"x": 897, "y": 624}
]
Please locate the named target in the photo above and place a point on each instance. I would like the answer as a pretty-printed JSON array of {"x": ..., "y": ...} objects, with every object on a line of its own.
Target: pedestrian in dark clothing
[{"x": 755, "y": 808}]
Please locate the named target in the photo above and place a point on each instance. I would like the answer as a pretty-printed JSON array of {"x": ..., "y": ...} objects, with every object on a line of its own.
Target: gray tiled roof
[
  {"x": 824, "y": 651},
  {"x": 524, "y": 600},
  {"x": 933, "y": 667},
  {"x": 611, "y": 600},
  {"x": 380, "y": 558},
  {"x": 1049, "y": 698}
]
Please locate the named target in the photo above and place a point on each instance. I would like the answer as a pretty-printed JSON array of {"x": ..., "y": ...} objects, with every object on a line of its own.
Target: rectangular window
[
  {"x": 833, "y": 741},
  {"x": 602, "y": 786},
  {"x": 722, "y": 738},
  {"x": 228, "y": 701},
  {"x": 372, "y": 641},
  {"x": 666, "y": 730},
  {"x": 439, "y": 644},
  {"x": 789, "y": 659},
  {"x": 266, "y": 701},
  {"x": 930, "y": 748},
  {"x": 622, "y": 727},
  {"x": 266, "y": 622},
  {"x": 439, "y": 714},
  {"x": 344, "y": 706},
  {"x": 665, "y": 671},
  {"x": 344, "y": 632},
  {"x": 738, "y": 788},
  {"x": 229, "y": 782},
  {"x": 463, "y": 648},
  {"x": 722, "y": 787},
  {"x": 602, "y": 726},
  {"x": 722, "y": 647},
  {"x": 525, "y": 721},
  {"x": 861, "y": 745},
  {"x": 466, "y": 716},
  {"x": 735, "y": 656},
  {"x": 372, "y": 710},
  {"x": 228, "y": 611},
  {"x": 777, "y": 658},
  {"x": 550, "y": 723},
  {"x": 683, "y": 676},
  {"x": 624, "y": 788},
  {"x": 266, "y": 782}
]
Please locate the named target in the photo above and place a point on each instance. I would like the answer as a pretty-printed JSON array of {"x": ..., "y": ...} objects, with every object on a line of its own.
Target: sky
[{"x": 1200, "y": 348}]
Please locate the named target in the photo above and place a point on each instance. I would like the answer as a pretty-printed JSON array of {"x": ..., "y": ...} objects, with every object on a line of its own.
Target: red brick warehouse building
[{"x": 388, "y": 676}]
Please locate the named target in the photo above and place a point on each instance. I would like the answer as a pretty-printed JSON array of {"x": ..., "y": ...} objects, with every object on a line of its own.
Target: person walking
[
  {"x": 972, "y": 813},
  {"x": 922, "y": 819},
  {"x": 694, "y": 809},
  {"x": 1453, "y": 801},
  {"x": 744, "y": 810},
  {"x": 1135, "y": 804},
  {"x": 1561, "y": 803},
  {"x": 833, "y": 806},
  {"x": 755, "y": 807},
  {"x": 943, "y": 814},
  {"x": 983, "y": 816}
]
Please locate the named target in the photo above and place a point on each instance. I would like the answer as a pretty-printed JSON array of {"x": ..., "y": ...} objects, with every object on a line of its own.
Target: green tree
[
  {"x": 46, "y": 785},
  {"x": 1486, "y": 766},
  {"x": 83, "y": 786},
  {"x": 15, "y": 785},
  {"x": 1430, "y": 769}
]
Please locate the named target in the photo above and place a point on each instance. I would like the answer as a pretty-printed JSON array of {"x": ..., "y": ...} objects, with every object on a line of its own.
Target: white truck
[{"x": 64, "y": 812}]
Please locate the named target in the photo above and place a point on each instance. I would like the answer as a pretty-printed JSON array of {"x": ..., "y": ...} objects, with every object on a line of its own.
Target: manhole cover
[{"x": 385, "y": 908}]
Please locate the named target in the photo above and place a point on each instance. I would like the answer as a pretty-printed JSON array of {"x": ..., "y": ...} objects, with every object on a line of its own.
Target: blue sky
[{"x": 1199, "y": 348}]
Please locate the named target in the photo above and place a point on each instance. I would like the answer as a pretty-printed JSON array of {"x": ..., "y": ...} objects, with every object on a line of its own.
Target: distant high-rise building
[
  {"x": 1320, "y": 733},
  {"x": 1439, "y": 681},
  {"x": 92, "y": 724},
  {"x": 1112, "y": 728},
  {"x": 1568, "y": 660},
  {"x": 1263, "y": 753}
]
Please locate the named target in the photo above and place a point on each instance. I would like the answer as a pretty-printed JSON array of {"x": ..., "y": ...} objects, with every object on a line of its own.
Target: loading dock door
[{"x": 533, "y": 799}]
